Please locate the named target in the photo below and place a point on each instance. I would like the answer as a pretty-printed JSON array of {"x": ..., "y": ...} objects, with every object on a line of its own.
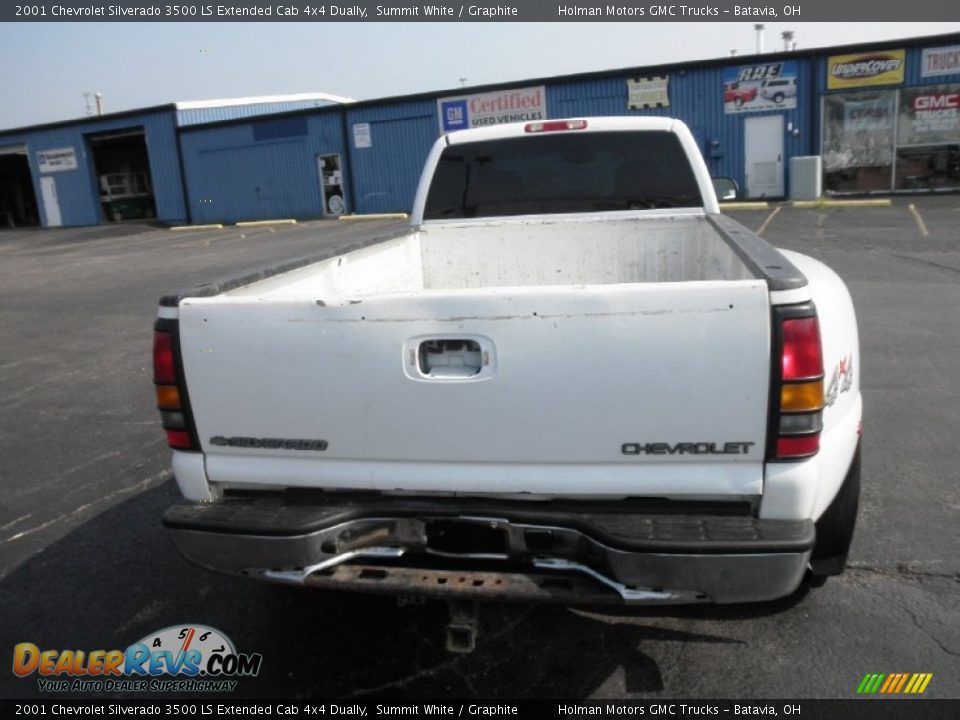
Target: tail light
[
  {"x": 796, "y": 419},
  {"x": 554, "y": 125},
  {"x": 170, "y": 389}
]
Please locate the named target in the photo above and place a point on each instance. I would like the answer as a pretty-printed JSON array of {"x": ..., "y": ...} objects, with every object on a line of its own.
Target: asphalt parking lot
[{"x": 84, "y": 562}]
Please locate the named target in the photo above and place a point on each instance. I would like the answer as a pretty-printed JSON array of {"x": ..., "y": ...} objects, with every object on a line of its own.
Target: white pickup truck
[{"x": 571, "y": 380}]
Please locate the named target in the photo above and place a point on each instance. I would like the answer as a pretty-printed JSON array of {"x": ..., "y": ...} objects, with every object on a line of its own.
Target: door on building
[
  {"x": 18, "y": 201},
  {"x": 122, "y": 165},
  {"x": 51, "y": 205},
  {"x": 763, "y": 161},
  {"x": 331, "y": 184}
]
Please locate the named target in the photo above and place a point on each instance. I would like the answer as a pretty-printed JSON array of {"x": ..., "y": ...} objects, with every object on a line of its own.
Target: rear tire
[{"x": 835, "y": 527}]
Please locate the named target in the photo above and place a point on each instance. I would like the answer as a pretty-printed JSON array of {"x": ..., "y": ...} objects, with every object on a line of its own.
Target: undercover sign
[
  {"x": 865, "y": 69},
  {"x": 493, "y": 108},
  {"x": 57, "y": 160}
]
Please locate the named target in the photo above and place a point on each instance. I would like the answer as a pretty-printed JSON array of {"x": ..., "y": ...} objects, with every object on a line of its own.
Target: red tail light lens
[
  {"x": 179, "y": 439},
  {"x": 789, "y": 448},
  {"x": 164, "y": 367},
  {"x": 799, "y": 400},
  {"x": 171, "y": 398},
  {"x": 802, "y": 357}
]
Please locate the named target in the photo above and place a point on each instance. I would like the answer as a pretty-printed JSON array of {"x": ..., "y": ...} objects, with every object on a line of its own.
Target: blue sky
[{"x": 48, "y": 66}]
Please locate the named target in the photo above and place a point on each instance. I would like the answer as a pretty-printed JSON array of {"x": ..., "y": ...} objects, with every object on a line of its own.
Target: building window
[
  {"x": 928, "y": 138},
  {"x": 858, "y": 141}
]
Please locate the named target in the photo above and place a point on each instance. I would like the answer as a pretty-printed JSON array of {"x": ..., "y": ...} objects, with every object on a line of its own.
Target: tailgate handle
[{"x": 451, "y": 358}]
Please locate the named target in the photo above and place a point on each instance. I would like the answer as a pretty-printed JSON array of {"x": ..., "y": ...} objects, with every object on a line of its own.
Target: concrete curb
[
  {"x": 828, "y": 203},
  {"x": 255, "y": 223},
  {"x": 216, "y": 226},
  {"x": 760, "y": 205},
  {"x": 375, "y": 216}
]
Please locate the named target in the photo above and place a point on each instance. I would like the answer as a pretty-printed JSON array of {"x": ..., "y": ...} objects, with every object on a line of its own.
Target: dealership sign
[
  {"x": 57, "y": 160},
  {"x": 493, "y": 108},
  {"x": 769, "y": 86},
  {"x": 865, "y": 69},
  {"x": 929, "y": 115},
  {"x": 940, "y": 61}
]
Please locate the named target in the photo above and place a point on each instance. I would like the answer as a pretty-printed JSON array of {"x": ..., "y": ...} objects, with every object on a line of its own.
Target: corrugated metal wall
[
  {"x": 386, "y": 173},
  {"x": 267, "y": 167},
  {"x": 199, "y": 116},
  {"x": 260, "y": 169},
  {"x": 696, "y": 97},
  {"x": 78, "y": 191}
]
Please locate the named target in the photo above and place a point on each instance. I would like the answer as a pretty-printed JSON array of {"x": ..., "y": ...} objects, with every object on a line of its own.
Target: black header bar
[{"x": 483, "y": 11}]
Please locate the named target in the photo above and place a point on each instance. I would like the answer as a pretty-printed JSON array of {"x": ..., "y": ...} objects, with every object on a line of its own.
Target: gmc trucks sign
[
  {"x": 930, "y": 114},
  {"x": 494, "y": 108}
]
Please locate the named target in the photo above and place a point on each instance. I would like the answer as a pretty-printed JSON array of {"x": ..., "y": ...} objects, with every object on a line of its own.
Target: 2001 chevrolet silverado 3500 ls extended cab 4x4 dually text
[{"x": 572, "y": 380}]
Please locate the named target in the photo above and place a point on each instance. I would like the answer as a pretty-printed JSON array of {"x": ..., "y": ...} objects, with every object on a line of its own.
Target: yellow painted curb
[
  {"x": 255, "y": 223},
  {"x": 760, "y": 205},
  {"x": 216, "y": 226},
  {"x": 827, "y": 203},
  {"x": 375, "y": 216}
]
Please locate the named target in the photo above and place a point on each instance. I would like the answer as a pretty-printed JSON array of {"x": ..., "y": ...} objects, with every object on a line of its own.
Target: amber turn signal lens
[
  {"x": 801, "y": 397},
  {"x": 168, "y": 397}
]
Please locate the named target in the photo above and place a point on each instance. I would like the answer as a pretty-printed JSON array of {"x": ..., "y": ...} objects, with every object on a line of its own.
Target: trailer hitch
[{"x": 463, "y": 625}]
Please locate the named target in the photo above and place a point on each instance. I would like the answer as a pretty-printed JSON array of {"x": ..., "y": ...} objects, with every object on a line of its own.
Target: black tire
[
  {"x": 835, "y": 527},
  {"x": 778, "y": 98}
]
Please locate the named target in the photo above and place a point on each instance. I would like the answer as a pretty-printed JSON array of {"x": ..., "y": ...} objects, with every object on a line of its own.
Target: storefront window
[
  {"x": 858, "y": 141},
  {"x": 928, "y": 138}
]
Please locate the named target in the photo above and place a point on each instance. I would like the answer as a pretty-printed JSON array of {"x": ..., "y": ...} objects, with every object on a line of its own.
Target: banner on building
[
  {"x": 940, "y": 61},
  {"x": 57, "y": 160},
  {"x": 770, "y": 86},
  {"x": 493, "y": 108},
  {"x": 865, "y": 69},
  {"x": 649, "y": 92},
  {"x": 929, "y": 115}
]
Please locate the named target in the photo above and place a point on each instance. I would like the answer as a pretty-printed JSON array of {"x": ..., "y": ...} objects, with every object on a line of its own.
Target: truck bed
[{"x": 520, "y": 253}]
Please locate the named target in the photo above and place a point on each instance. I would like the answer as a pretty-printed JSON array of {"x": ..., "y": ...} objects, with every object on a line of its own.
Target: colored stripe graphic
[
  {"x": 894, "y": 683},
  {"x": 903, "y": 681}
]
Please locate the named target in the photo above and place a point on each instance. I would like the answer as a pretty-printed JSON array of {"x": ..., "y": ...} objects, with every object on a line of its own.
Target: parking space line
[
  {"x": 920, "y": 223},
  {"x": 770, "y": 217}
]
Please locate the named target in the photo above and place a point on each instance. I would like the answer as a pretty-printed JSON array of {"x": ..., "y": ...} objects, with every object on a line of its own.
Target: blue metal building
[
  {"x": 63, "y": 174},
  {"x": 124, "y": 165},
  {"x": 884, "y": 117}
]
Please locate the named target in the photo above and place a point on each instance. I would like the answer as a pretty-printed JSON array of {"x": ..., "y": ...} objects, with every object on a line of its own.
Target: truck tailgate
[{"x": 632, "y": 389}]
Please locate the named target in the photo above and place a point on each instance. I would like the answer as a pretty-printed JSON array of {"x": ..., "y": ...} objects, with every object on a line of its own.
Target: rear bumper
[{"x": 494, "y": 550}]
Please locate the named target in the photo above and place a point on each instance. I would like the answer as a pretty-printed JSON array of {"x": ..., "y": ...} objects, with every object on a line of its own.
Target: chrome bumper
[{"x": 500, "y": 553}]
